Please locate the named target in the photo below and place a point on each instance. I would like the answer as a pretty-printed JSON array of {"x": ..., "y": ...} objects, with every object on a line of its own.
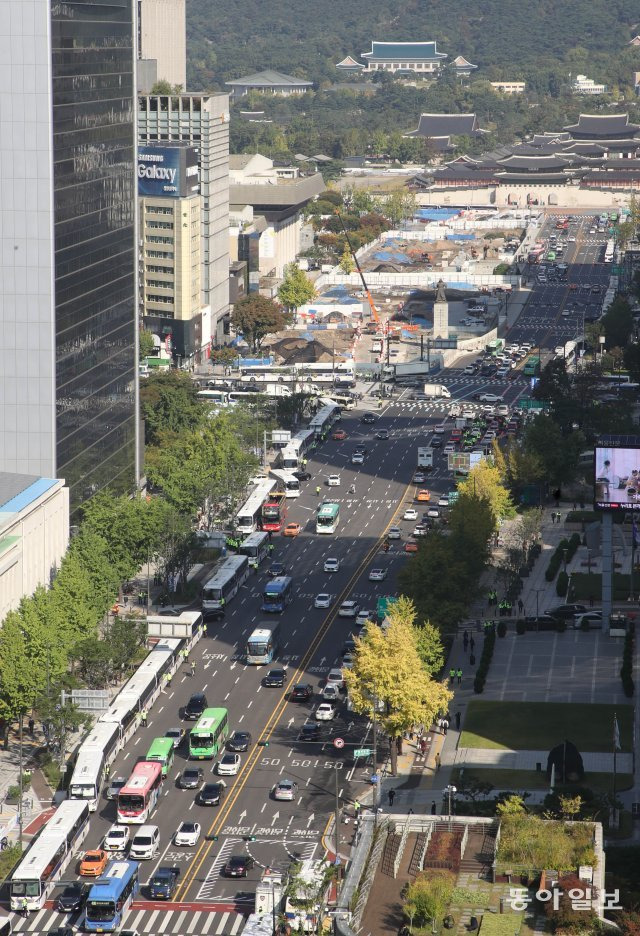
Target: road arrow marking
[
  {"x": 290, "y": 722},
  {"x": 242, "y": 815},
  {"x": 275, "y": 817},
  {"x": 310, "y": 819}
]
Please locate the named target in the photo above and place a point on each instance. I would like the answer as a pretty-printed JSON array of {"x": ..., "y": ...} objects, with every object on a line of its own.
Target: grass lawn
[
  {"x": 539, "y": 726},
  {"x": 537, "y": 780},
  {"x": 584, "y": 585},
  {"x": 507, "y": 924}
]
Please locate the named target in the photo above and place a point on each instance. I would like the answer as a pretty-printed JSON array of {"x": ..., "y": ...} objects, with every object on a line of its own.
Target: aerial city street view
[{"x": 319, "y": 469}]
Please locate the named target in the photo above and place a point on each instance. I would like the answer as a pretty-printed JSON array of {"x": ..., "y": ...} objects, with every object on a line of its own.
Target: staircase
[
  {"x": 419, "y": 850},
  {"x": 479, "y": 853},
  {"x": 391, "y": 847}
]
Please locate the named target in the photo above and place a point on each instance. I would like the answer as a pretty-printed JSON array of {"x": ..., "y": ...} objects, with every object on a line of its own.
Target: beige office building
[{"x": 162, "y": 35}]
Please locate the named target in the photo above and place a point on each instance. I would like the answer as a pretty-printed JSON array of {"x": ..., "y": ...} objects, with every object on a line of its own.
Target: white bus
[
  {"x": 223, "y": 587},
  {"x": 49, "y": 854},
  {"x": 262, "y": 645},
  {"x": 96, "y": 754},
  {"x": 249, "y": 516},
  {"x": 325, "y": 419},
  {"x": 609, "y": 251},
  {"x": 286, "y": 482},
  {"x": 221, "y": 397},
  {"x": 296, "y": 450},
  {"x": 255, "y": 548}
]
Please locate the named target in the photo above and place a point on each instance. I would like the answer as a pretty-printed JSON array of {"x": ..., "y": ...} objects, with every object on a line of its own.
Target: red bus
[
  {"x": 274, "y": 511},
  {"x": 535, "y": 255},
  {"x": 138, "y": 797}
]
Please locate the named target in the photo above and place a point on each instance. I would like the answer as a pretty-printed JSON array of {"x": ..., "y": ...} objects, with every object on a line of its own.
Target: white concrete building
[
  {"x": 34, "y": 534},
  {"x": 584, "y": 85},
  {"x": 162, "y": 35}
]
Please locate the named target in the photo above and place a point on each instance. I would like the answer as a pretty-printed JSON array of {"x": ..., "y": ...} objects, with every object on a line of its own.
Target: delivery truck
[
  {"x": 407, "y": 370},
  {"x": 437, "y": 390},
  {"x": 425, "y": 456}
]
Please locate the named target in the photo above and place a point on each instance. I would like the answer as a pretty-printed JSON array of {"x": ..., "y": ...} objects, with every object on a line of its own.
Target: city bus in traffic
[
  {"x": 609, "y": 251},
  {"x": 223, "y": 586},
  {"x": 208, "y": 736},
  {"x": 161, "y": 750},
  {"x": 325, "y": 419},
  {"x": 262, "y": 645},
  {"x": 296, "y": 450},
  {"x": 278, "y": 593},
  {"x": 256, "y": 548},
  {"x": 49, "y": 854},
  {"x": 286, "y": 482},
  {"x": 138, "y": 797},
  {"x": 249, "y": 516},
  {"x": 95, "y": 756},
  {"x": 274, "y": 512},
  {"x": 327, "y": 518},
  {"x": 111, "y": 897},
  {"x": 531, "y": 366}
]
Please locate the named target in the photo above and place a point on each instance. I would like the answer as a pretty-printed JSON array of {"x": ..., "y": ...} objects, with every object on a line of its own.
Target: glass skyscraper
[{"x": 68, "y": 243}]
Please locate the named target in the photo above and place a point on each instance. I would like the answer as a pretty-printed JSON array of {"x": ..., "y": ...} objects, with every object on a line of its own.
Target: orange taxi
[
  {"x": 339, "y": 435},
  {"x": 423, "y": 495},
  {"x": 94, "y": 862},
  {"x": 411, "y": 547},
  {"x": 291, "y": 529}
]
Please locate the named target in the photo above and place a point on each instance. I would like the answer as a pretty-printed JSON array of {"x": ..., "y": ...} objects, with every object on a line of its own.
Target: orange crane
[{"x": 374, "y": 311}]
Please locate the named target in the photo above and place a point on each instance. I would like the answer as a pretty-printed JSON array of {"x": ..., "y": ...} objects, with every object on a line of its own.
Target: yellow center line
[{"x": 271, "y": 724}]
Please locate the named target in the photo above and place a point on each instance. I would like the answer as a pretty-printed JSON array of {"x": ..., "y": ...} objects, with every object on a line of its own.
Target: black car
[
  {"x": 238, "y": 865},
  {"x": 191, "y": 778},
  {"x": 368, "y": 418},
  {"x": 310, "y": 731},
  {"x": 274, "y": 679},
  {"x": 436, "y": 442},
  {"x": 164, "y": 883},
  {"x": 566, "y": 612},
  {"x": 382, "y": 434},
  {"x": 210, "y": 795},
  {"x": 302, "y": 475},
  {"x": 73, "y": 897},
  {"x": 276, "y": 568},
  {"x": 301, "y": 693},
  {"x": 239, "y": 741},
  {"x": 348, "y": 647},
  {"x": 196, "y": 706}
]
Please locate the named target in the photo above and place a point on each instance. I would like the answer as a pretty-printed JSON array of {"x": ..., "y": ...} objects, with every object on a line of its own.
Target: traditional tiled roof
[
  {"x": 534, "y": 163},
  {"x": 349, "y": 63},
  {"x": 461, "y": 62},
  {"x": 542, "y": 139},
  {"x": 270, "y": 79},
  {"x": 603, "y": 125},
  {"x": 446, "y": 125},
  {"x": 403, "y": 52},
  {"x": 585, "y": 149}
]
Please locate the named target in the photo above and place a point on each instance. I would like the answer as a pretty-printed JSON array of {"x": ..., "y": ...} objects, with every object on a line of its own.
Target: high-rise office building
[
  {"x": 201, "y": 120},
  {"x": 162, "y": 35},
  {"x": 68, "y": 243}
]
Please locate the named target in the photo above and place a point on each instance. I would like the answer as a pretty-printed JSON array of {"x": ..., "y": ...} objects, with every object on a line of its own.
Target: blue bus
[
  {"x": 111, "y": 896},
  {"x": 277, "y": 594}
]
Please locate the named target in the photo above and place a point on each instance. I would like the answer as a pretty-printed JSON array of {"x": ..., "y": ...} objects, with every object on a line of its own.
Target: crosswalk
[{"x": 152, "y": 922}]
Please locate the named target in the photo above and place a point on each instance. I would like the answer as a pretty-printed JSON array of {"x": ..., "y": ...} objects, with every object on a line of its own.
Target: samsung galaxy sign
[{"x": 167, "y": 170}]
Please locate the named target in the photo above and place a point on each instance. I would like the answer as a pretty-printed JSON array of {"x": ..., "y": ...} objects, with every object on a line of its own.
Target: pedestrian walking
[
  {"x": 520, "y": 606},
  {"x": 356, "y": 808},
  {"x": 143, "y": 717},
  {"x": 465, "y": 640},
  {"x": 452, "y": 673},
  {"x": 392, "y": 795},
  {"x": 169, "y": 678},
  {"x": 553, "y": 516},
  {"x": 445, "y": 726},
  {"x": 457, "y": 721},
  {"x": 433, "y": 807},
  {"x": 24, "y": 907},
  {"x": 438, "y": 762},
  {"x": 439, "y": 723},
  {"x": 318, "y": 491},
  {"x": 472, "y": 643},
  {"x": 423, "y": 745},
  {"x": 32, "y": 726},
  {"x": 459, "y": 676}
]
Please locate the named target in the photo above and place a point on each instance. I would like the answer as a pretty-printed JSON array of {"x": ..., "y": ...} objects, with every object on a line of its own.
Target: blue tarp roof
[
  {"x": 460, "y": 237},
  {"x": 392, "y": 256},
  {"x": 28, "y": 496},
  {"x": 437, "y": 214}
]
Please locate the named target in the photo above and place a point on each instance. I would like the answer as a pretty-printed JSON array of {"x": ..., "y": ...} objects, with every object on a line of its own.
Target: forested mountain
[{"x": 229, "y": 38}]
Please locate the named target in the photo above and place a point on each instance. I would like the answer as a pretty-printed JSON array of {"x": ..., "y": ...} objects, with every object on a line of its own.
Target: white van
[{"x": 145, "y": 844}]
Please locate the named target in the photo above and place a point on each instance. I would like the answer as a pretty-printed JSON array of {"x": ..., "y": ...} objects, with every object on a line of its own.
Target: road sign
[
  {"x": 373, "y": 778},
  {"x": 383, "y": 604},
  {"x": 460, "y": 461},
  {"x": 362, "y": 752},
  {"x": 338, "y": 742},
  {"x": 453, "y": 497}
]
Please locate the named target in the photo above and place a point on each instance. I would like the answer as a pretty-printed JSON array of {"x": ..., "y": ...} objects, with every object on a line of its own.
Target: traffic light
[
  {"x": 263, "y": 744},
  {"x": 211, "y": 838},
  {"x": 249, "y": 838}
]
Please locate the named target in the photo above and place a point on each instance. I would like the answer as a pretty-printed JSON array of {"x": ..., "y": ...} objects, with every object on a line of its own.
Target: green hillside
[{"x": 504, "y": 37}]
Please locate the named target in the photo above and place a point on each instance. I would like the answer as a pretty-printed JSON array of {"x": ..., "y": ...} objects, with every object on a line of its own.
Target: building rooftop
[
  {"x": 17, "y": 491},
  {"x": 270, "y": 79},
  {"x": 461, "y": 62},
  {"x": 603, "y": 125},
  {"x": 403, "y": 51},
  {"x": 349, "y": 62}
]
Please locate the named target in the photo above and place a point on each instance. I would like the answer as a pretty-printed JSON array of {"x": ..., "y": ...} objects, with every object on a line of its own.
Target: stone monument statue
[{"x": 441, "y": 295}]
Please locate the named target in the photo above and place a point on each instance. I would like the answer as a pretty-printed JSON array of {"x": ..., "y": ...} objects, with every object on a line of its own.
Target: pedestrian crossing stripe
[{"x": 152, "y": 922}]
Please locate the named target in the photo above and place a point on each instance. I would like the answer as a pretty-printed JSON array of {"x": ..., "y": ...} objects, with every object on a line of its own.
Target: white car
[
  {"x": 377, "y": 575},
  {"x": 449, "y": 448},
  {"x": 364, "y": 616},
  {"x": 325, "y": 712},
  {"x": 443, "y": 501},
  {"x": 434, "y": 513},
  {"x": 559, "y": 349},
  {"x": 285, "y": 790},
  {"x": 490, "y": 398},
  {"x": 394, "y": 533},
  {"x": 470, "y": 369},
  {"x": 410, "y": 514},
  {"x": 335, "y": 678},
  {"x": 333, "y": 480},
  {"x": 571, "y": 240},
  {"x": 331, "y": 565},
  {"x": 357, "y": 459},
  {"x": 439, "y": 429},
  {"x": 228, "y": 765},
  {"x": 323, "y": 600},
  {"x": 188, "y": 833},
  {"x": 117, "y": 838},
  {"x": 331, "y": 693},
  {"x": 348, "y": 609}
]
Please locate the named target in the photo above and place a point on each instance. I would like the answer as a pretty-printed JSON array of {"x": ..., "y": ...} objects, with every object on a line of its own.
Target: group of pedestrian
[
  {"x": 492, "y": 597},
  {"x": 443, "y": 724},
  {"x": 556, "y": 516},
  {"x": 505, "y": 607},
  {"x": 455, "y": 674}
]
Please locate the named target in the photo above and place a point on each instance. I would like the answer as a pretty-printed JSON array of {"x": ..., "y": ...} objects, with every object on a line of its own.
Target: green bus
[
  {"x": 327, "y": 518},
  {"x": 551, "y": 256},
  {"x": 161, "y": 750},
  {"x": 208, "y": 736},
  {"x": 531, "y": 367}
]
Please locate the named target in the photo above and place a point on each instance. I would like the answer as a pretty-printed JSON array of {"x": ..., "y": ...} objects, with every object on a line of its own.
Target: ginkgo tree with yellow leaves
[{"x": 388, "y": 668}]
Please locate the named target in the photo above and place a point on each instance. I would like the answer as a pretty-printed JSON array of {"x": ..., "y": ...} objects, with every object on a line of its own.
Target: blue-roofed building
[
  {"x": 34, "y": 533},
  {"x": 420, "y": 58}
]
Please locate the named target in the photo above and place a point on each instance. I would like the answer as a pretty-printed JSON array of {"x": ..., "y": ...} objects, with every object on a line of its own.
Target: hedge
[
  {"x": 556, "y": 560},
  {"x": 562, "y": 585},
  {"x": 626, "y": 670},
  {"x": 485, "y": 660}
]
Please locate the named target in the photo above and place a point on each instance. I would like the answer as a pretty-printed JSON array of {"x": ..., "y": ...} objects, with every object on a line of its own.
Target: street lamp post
[{"x": 450, "y": 790}]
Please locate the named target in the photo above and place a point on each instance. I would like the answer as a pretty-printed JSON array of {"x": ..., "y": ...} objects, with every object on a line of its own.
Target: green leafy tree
[
  {"x": 86, "y": 586},
  {"x": 60, "y": 721},
  {"x": 388, "y": 668},
  {"x": 484, "y": 483},
  {"x": 169, "y": 403},
  {"x": 558, "y": 453},
  {"x": 20, "y": 681},
  {"x": 92, "y": 660},
  {"x": 296, "y": 289},
  {"x": 347, "y": 264},
  {"x": 399, "y": 205},
  {"x": 146, "y": 344},
  {"x": 430, "y": 647},
  {"x": 618, "y": 323},
  {"x": 256, "y": 316},
  {"x": 427, "y": 898}
]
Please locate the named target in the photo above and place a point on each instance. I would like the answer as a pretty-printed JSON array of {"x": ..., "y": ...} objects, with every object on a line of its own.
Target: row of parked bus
[{"x": 52, "y": 850}]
